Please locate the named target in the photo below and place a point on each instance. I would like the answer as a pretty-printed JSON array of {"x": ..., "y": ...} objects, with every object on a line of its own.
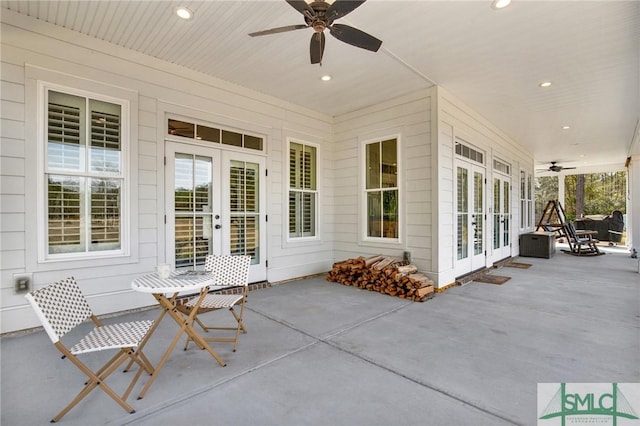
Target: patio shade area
[{"x": 319, "y": 353}]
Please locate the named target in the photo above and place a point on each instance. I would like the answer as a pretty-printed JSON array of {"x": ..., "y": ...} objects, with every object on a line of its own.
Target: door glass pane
[
  {"x": 183, "y": 185},
  {"x": 462, "y": 204},
  {"x": 244, "y": 207},
  {"x": 193, "y": 207},
  {"x": 184, "y": 241},
  {"x": 507, "y": 210},
  {"x": 463, "y": 235},
  {"x": 478, "y": 203},
  {"x": 202, "y": 184},
  {"x": 496, "y": 213}
]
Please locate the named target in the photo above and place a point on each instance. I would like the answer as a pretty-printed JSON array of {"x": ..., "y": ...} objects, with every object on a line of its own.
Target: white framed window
[
  {"x": 381, "y": 190},
  {"x": 526, "y": 200},
  {"x": 303, "y": 190},
  {"x": 84, "y": 142}
]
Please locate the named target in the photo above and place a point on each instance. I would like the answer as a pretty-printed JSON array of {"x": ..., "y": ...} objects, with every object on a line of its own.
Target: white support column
[
  {"x": 633, "y": 204},
  {"x": 561, "y": 190}
]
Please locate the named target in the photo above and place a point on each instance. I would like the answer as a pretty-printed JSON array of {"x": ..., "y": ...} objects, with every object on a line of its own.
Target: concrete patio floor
[{"x": 319, "y": 353}]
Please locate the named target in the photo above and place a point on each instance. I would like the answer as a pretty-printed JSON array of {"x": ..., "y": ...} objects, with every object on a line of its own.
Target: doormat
[
  {"x": 518, "y": 265},
  {"x": 491, "y": 279}
]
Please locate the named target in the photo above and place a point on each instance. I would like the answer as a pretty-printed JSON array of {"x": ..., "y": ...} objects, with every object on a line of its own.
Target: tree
[
  {"x": 546, "y": 189},
  {"x": 603, "y": 193},
  {"x": 579, "y": 195}
]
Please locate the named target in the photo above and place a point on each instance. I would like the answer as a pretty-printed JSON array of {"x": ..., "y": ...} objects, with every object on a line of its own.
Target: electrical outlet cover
[{"x": 22, "y": 283}]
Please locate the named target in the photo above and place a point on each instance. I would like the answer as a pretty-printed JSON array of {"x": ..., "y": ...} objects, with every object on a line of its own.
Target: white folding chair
[
  {"x": 61, "y": 307},
  {"x": 230, "y": 271}
]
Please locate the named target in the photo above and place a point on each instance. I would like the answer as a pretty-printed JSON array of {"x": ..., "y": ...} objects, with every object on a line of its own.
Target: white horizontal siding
[
  {"x": 455, "y": 119},
  {"x": 10, "y": 148},
  {"x": 11, "y": 110},
  {"x": 419, "y": 118},
  {"x": 409, "y": 117},
  {"x": 51, "y": 49}
]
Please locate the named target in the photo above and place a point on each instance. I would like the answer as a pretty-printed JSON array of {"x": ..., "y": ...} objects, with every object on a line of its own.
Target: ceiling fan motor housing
[{"x": 320, "y": 16}]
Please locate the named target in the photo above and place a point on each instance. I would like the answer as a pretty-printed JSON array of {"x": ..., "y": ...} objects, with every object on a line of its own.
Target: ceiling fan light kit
[{"x": 320, "y": 15}]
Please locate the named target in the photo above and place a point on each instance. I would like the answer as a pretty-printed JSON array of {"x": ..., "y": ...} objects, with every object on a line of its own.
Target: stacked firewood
[{"x": 387, "y": 275}]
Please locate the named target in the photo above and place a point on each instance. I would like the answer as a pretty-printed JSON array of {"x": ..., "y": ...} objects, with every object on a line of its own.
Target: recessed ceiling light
[
  {"x": 545, "y": 84},
  {"x": 499, "y": 4},
  {"x": 325, "y": 78},
  {"x": 184, "y": 12},
  {"x": 566, "y": 127}
]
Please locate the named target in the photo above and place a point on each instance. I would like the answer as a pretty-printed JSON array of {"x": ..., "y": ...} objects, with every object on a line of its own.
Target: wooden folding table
[{"x": 189, "y": 282}]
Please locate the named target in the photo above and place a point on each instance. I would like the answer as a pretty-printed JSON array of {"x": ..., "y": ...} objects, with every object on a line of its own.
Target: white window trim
[
  {"x": 285, "y": 220},
  {"x": 380, "y": 241},
  {"x": 528, "y": 213},
  {"x": 42, "y": 246}
]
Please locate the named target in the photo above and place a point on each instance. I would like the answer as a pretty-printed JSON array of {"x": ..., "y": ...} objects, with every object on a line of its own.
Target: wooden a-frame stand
[{"x": 554, "y": 219}]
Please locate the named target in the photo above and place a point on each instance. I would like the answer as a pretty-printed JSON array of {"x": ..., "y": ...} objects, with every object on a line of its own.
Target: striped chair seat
[
  {"x": 216, "y": 301},
  {"x": 116, "y": 336}
]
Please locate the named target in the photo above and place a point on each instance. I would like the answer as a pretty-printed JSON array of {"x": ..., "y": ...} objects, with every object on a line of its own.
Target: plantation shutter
[
  {"x": 245, "y": 209},
  {"x": 65, "y": 137},
  {"x": 65, "y": 131},
  {"x": 302, "y": 190}
]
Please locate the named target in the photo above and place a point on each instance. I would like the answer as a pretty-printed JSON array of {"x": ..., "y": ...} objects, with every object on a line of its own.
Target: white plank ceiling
[{"x": 491, "y": 59}]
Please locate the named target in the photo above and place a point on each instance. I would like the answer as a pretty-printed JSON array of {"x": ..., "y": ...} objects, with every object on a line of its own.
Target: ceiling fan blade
[
  {"x": 279, "y": 30},
  {"x": 355, "y": 37},
  {"x": 340, "y": 8},
  {"x": 301, "y": 6},
  {"x": 568, "y": 168},
  {"x": 316, "y": 48}
]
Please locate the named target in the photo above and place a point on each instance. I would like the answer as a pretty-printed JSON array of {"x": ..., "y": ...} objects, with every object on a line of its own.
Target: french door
[
  {"x": 470, "y": 253},
  {"x": 214, "y": 205},
  {"x": 501, "y": 217}
]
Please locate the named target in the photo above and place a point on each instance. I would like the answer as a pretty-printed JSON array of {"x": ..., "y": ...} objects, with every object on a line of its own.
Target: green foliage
[
  {"x": 603, "y": 193},
  {"x": 546, "y": 188}
]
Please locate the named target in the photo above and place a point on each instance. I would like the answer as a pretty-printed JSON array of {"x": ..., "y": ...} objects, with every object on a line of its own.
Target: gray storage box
[{"x": 538, "y": 244}]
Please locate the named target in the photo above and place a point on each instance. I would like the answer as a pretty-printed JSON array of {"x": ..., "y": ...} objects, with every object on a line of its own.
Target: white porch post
[
  {"x": 633, "y": 204},
  {"x": 561, "y": 190}
]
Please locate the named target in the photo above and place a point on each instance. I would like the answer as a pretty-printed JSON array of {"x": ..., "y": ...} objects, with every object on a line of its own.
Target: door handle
[{"x": 218, "y": 226}]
